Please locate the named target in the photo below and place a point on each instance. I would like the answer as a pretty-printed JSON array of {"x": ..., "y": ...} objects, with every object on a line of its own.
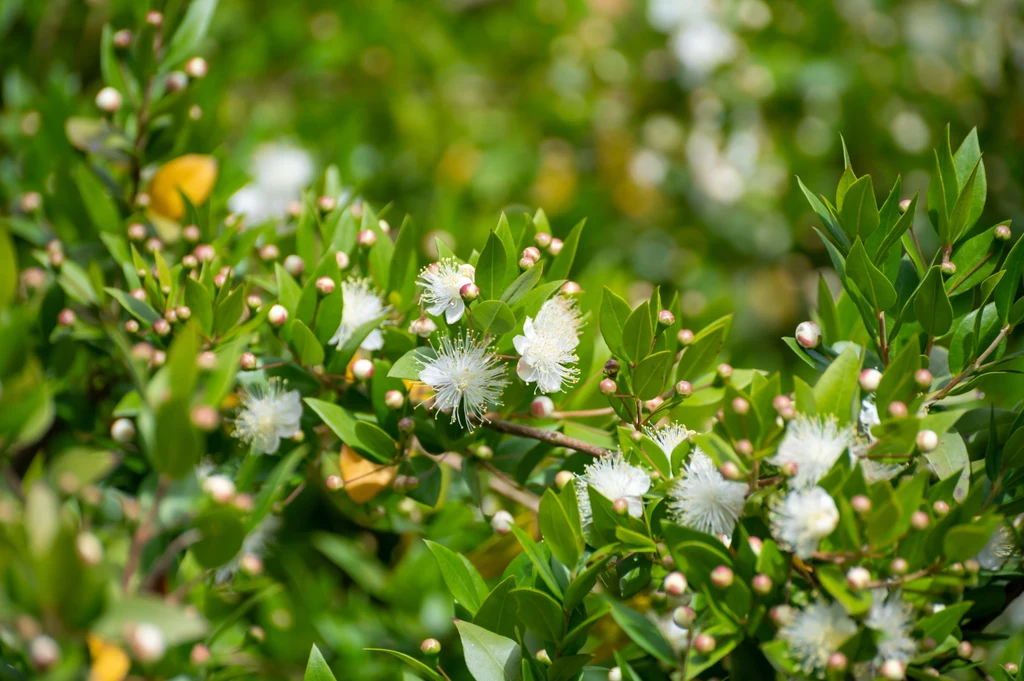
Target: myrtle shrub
[{"x": 602, "y": 495}]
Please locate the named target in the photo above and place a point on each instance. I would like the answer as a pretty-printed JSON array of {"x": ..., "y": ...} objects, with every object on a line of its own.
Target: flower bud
[
  {"x": 1011, "y": 668},
  {"x": 940, "y": 507},
  {"x": 570, "y": 288},
  {"x": 542, "y": 239},
  {"x": 972, "y": 566},
  {"x": 136, "y": 231},
  {"x": 837, "y": 662},
  {"x": 919, "y": 520},
  {"x": 154, "y": 18},
  {"x": 724, "y": 371},
  {"x": 147, "y": 642},
  {"x": 542, "y": 407},
  {"x": 808, "y": 334},
  {"x": 948, "y": 267},
  {"x": 893, "y": 670},
  {"x": 782, "y": 403},
  {"x": 334, "y": 483},
  {"x": 615, "y": 674},
  {"x": 685, "y": 337},
  {"x": 171, "y": 316},
  {"x": 666, "y": 318},
  {"x": 730, "y": 471},
  {"x": 684, "y": 616},
  {"x": 897, "y": 409},
  {"x": 44, "y": 652},
  {"x": 722, "y": 577},
  {"x": 176, "y": 81},
  {"x": 205, "y": 252},
  {"x": 531, "y": 252},
  {"x": 762, "y": 584},
  {"x": 704, "y": 644},
  {"x": 620, "y": 506},
  {"x": 611, "y": 368},
  {"x": 205, "y": 418},
  {"x": 220, "y": 279},
  {"x": 191, "y": 234},
  {"x": 860, "y": 503},
  {"x": 607, "y": 386},
  {"x": 341, "y": 257},
  {"x": 502, "y": 522},
  {"x": 199, "y": 655},
  {"x": 423, "y": 327},
  {"x": 430, "y": 646},
  {"x": 67, "y": 317},
  {"x": 220, "y": 487},
  {"x": 253, "y": 301},
  {"x": 1002, "y": 232},
  {"x": 684, "y": 389},
  {"x": 674, "y": 584},
  {"x": 964, "y": 649},
  {"x": 159, "y": 358},
  {"x": 923, "y": 379},
  {"x": 108, "y": 100},
  {"x": 526, "y": 263},
  {"x": 927, "y": 440},
  {"x": 362, "y": 369},
  {"x": 325, "y": 286},
  {"x": 469, "y": 292},
  {"x": 189, "y": 261},
  {"x": 247, "y": 361},
  {"x": 740, "y": 406},
  {"x": 394, "y": 399},
  {"x": 122, "y": 39},
  {"x": 899, "y": 566},
  {"x": 858, "y": 578},
  {"x": 122, "y": 430},
  {"x": 294, "y": 265},
  {"x": 278, "y": 315},
  {"x": 904, "y": 205},
  {"x": 366, "y": 238},
  {"x": 406, "y": 425},
  {"x": 556, "y": 246},
  {"x": 483, "y": 452},
  {"x": 789, "y": 469},
  {"x": 870, "y": 379},
  {"x": 781, "y": 615},
  {"x": 653, "y": 403},
  {"x": 563, "y": 478},
  {"x": 269, "y": 252},
  {"x": 183, "y": 312},
  {"x": 196, "y": 67},
  {"x": 251, "y": 564}
]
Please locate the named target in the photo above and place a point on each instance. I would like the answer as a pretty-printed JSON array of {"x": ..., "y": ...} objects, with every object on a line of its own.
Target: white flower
[
  {"x": 704, "y": 500},
  {"x": 668, "y": 437},
  {"x": 280, "y": 172},
  {"x": 466, "y": 378},
  {"x": 803, "y": 519},
  {"x": 873, "y": 470},
  {"x": 999, "y": 549},
  {"x": 893, "y": 618},
  {"x": 613, "y": 478},
  {"x": 442, "y": 284},
  {"x": 814, "y": 445},
  {"x": 268, "y": 414},
  {"x": 254, "y": 544},
  {"x": 816, "y": 632},
  {"x": 361, "y": 304},
  {"x": 548, "y": 346}
]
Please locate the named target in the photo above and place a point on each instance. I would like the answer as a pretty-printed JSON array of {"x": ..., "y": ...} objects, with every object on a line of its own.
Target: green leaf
[
  {"x": 964, "y": 160},
  {"x": 307, "y": 347},
  {"x": 523, "y": 284},
  {"x": 222, "y": 534},
  {"x": 99, "y": 205},
  {"x": 700, "y": 355},
  {"x": 190, "y": 33},
  {"x": 372, "y": 440},
  {"x": 540, "y": 613},
  {"x": 490, "y": 268},
  {"x": 562, "y": 537},
  {"x": 494, "y": 317},
  {"x": 834, "y": 231},
  {"x": 869, "y": 279},
  {"x": 584, "y": 583},
  {"x": 931, "y": 305},
  {"x": 411, "y": 363},
  {"x": 489, "y": 657},
  {"x": 848, "y": 178},
  {"x": 229, "y": 312},
  {"x": 198, "y": 300},
  {"x": 642, "y": 631},
  {"x": 834, "y": 581},
  {"x": 8, "y": 268},
  {"x": 859, "y": 212},
  {"x": 135, "y": 307},
  {"x": 614, "y": 313},
  {"x": 539, "y": 560},
  {"x": 959, "y": 219},
  {"x": 316, "y": 668},
  {"x": 897, "y": 382},
  {"x": 898, "y": 229},
  {"x": 827, "y": 312},
  {"x": 835, "y": 390},
  {"x": 941, "y": 624},
  {"x": 966, "y": 541},
  {"x": 179, "y": 624},
  {"x": 951, "y": 457},
  {"x": 462, "y": 579},
  {"x": 421, "y": 669},
  {"x": 562, "y": 265},
  {"x": 1006, "y": 290},
  {"x": 499, "y": 612},
  {"x": 637, "y": 334},
  {"x": 651, "y": 374},
  {"x": 402, "y": 275}
]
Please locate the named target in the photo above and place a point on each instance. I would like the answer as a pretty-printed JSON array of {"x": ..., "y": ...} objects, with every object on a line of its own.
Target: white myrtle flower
[
  {"x": 280, "y": 172},
  {"x": 816, "y": 632},
  {"x": 668, "y": 437},
  {"x": 268, "y": 414},
  {"x": 254, "y": 544},
  {"x": 361, "y": 304},
  {"x": 999, "y": 549},
  {"x": 613, "y": 478},
  {"x": 814, "y": 445},
  {"x": 548, "y": 345},
  {"x": 893, "y": 618},
  {"x": 704, "y": 500},
  {"x": 465, "y": 377},
  {"x": 442, "y": 284},
  {"x": 803, "y": 519}
]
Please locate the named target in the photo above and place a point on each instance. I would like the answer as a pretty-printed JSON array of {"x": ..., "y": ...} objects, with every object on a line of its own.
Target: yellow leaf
[
  {"x": 109, "y": 662},
  {"x": 193, "y": 174},
  {"x": 363, "y": 479}
]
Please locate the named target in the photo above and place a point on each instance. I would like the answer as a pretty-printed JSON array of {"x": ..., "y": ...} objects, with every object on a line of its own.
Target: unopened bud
[
  {"x": 526, "y": 263},
  {"x": 611, "y": 368},
  {"x": 762, "y": 584},
  {"x": 89, "y": 548},
  {"x": 704, "y": 644},
  {"x": 782, "y": 403},
  {"x": 334, "y": 483},
  {"x": 620, "y": 506},
  {"x": 563, "y": 478},
  {"x": 362, "y": 369},
  {"x": 430, "y": 646},
  {"x": 685, "y": 337},
  {"x": 162, "y": 327},
  {"x": 220, "y": 279},
  {"x": 837, "y": 662},
  {"x": 189, "y": 261},
  {"x": 67, "y": 317},
  {"x": 897, "y": 409},
  {"x": 366, "y": 238},
  {"x": 744, "y": 447},
  {"x": 722, "y": 577},
  {"x": 502, "y": 522},
  {"x": 154, "y": 18},
  {"x": 615, "y": 674},
  {"x": 147, "y": 642},
  {"x": 1002, "y": 232},
  {"x": 251, "y": 564},
  {"x": 269, "y": 252},
  {"x": 136, "y": 231},
  {"x": 196, "y": 67},
  {"x": 394, "y": 399},
  {"x": 206, "y": 418},
  {"x": 666, "y": 318},
  {"x": 919, "y": 520},
  {"x": 607, "y": 386},
  {"x": 730, "y": 471},
  {"x": 44, "y": 652},
  {"x": 176, "y": 81},
  {"x": 469, "y": 292},
  {"x": 899, "y": 566},
  {"x": 684, "y": 389},
  {"x": 789, "y": 469},
  {"x": 923, "y": 379},
  {"x": 253, "y": 301},
  {"x": 860, "y": 503},
  {"x": 893, "y": 670},
  {"x": 858, "y": 578},
  {"x": 542, "y": 407},
  {"x": 483, "y": 452},
  {"x": 247, "y": 361},
  {"x": 199, "y": 655},
  {"x": 684, "y": 616},
  {"x": 122, "y": 39},
  {"x": 870, "y": 380},
  {"x": 205, "y": 252},
  {"x": 108, "y": 100},
  {"x": 740, "y": 406},
  {"x": 674, "y": 584},
  {"x": 131, "y": 326},
  {"x": 724, "y": 371},
  {"x": 278, "y": 315},
  {"x": 341, "y": 257},
  {"x": 122, "y": 430},
  {"x": 406, "y": 425},
  {"x": 542, "y": 239},
  {"x": 1011, "y": 668},
  {"x": 220, "y": 487},
  {"x": 904, "y": 205},
  {"x": 927, "y": 440},
  {"x": 570, "y": 288},
  {"x": 964, "y": 649},
  {"x": 940, "y": 507},
  {"x": 808, "y": 334},
  {"x": 294, "y": 265},
  {"x": 555, "y": 247},
  {"x": 948, "y": 267},
  {"x": 423, "y": 327},
  {"x": 531, "y": 252},
  {"x": 159, "y": 358},
  {"x": 325, "y": 286}
]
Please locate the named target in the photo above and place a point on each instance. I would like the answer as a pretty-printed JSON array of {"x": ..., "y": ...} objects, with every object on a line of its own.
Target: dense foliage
[{"x": 242, "y": 418}]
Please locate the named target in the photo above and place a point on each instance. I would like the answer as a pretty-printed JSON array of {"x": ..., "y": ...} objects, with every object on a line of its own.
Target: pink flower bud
[
  {"x": 685, "y": 337},
  {"x": 136, "y": 231},
  {"x": 893, "y": 670},
  {"x": 897, "y": 410},
  {"x": 67, "y": 317},
  {"x": 502, "y": 522},
  {"x": 725, "y": 370},
  {"x": 122, "y": 39},
  {"x": 563, "y": 478},
  {"x": 837, "y": 662},
  {"x": 858, "y": 578},
  {"x": 154, "y": 18},
  {"x": 205, "y": 418},
  {"x": 189, "y": 261},
  {"x": 394, "y": 399},
  {"x": 948, "y": 267},
  {"x": 278, "y": 315},
  {"x": 162, "y": 327},
  {"x": 607, "y": 386},
  {"x": 1002, "y": 232},
  {"x": 526, "y": 263},
  {"x": 531, "y": 252},
  {"x": 196, "y": 67},
  {"x": 704, "y": 644},
  {"x": 176, "y": 81},
  {"x": 674, "y": 584},
  {"x": 542, "y": 239},
  {"x": 964, "y": 649},
  {"x": 722, "y": 577},
  {"x": 334, "y": 483},
  {"x": 131, "y": 326},
  {"x": 684, "y": 389},
  {"x": 325, "y": 286},
  {"x": 940, "y": 507},
  {"x": 570, "y": 288},
  {"x": 860, "y": 503},
  {"x": 808, "y": 334},
  {"x": 740, "y": 406},
  {"x": 870, "y": 379},
  {"x": 542, "y": 407},
  {"x": 927, "y": 440},
  {"x": 108, "y": 100},
  {"x": 294, "y": 265},
  {"x": 556, "y": 247},
  {"x": 205, "y": 252},
  {"x": 744, "y": 447},
  {"x": 469, "y": 292},
  {"x": 366, "y": 238},
  {"x": 762, "y": 584},
  {"x": 919, "y": 520},
  {"x": 620, "y": 506},
  {"x": 44, "y": 652},
  {"x": 362, "y": 369},
  {"x": 904, "y": 205},
  {"x": 923, "y": 379},
  {"x": 782, "y": 403},
  {"x": 899, "y": 566},
  {"x": 666, "y": 318},
  {"x": 789, "y": 469},
  {"x": 684, "y": 616},
  {"x": 247, "y": 361},
  {"x": 430, "y": 646},
  {"x": 199, "y": 655}
]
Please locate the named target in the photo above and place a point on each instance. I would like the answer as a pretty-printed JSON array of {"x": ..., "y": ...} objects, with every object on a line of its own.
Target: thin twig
[
  {"x": 498, "y": 482},
  {"x": 143, "y": 532},
  {"x": 974, "y": 366},
  {"x": 550, "y": 436}
]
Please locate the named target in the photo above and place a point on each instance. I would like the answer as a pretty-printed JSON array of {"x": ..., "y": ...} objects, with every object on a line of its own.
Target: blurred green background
[{"x": 675, "y": 126}]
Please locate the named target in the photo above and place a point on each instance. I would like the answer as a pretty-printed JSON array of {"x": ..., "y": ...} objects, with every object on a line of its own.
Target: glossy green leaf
[
  {"x": 651, "y": 375},
  {"x": 490, "y": 268},
  {"x": 561, "y": 535},
  {"x": 316, "y": 667},
  {"x": 494, "y": 317},
  {"x": 869, "y": 279},
  {"x": 489, "y": 657}
]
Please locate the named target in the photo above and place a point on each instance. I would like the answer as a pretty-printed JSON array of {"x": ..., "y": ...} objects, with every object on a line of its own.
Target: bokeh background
[{"x": 676, "y": 127}]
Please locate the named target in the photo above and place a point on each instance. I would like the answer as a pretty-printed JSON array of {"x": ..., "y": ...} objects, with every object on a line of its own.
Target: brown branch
[
  {"x": 143, "y": 533},
  {"x": 973, "y": 367},
  {"x": 550, "y": 436}
]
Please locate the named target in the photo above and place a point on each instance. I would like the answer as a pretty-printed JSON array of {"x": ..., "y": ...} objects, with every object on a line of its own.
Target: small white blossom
[
  {"x": 361, "y": 304},
  {"x": 803, "y": 519},
  {"x": 816, "y": 632},
  {"x": 814, "y": 445},
  {"x": 465, "y": 377},
  {"x": 668, "y": 437},
  {"x": 268, "y": 414},
  {"x": 254, "y": 544},
  {"x": 999, "y": 549},
  {"x": 280, "y": 172},
  {"x": 704, "y": 500},
  {"x": 893, "y": 618},
  {"x": 613, "y": 478},
  {"x": 442, "y": 285},
  {"x": 548, "y": 345}
]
